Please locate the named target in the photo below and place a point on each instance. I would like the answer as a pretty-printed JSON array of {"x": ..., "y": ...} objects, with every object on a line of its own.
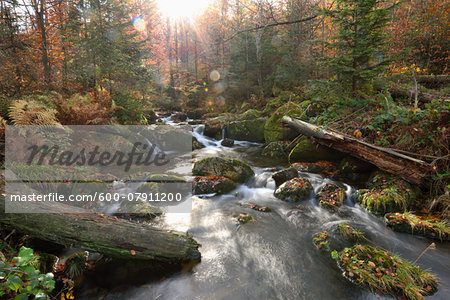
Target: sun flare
[{"x": 182, "y": 8}]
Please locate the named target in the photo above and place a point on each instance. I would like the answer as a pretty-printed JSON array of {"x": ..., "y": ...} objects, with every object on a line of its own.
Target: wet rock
[
  {"x": 275, "y": 131},
  {"x": 248, "y": 130},
  {"x": 258, "y": 208},
  {"x": 196, "y": 144},
  {"x": 331, "y": 196},
  {"x": 227, "y": 142},
  {"x": 385, "y": 273},
  {"x": 138, "y": 211},
  {"x": 195, "y": 114},
  {"x": 307, "y": 151},
  {"x": 428, "y": 226},
  {"x": 233, "y": 169},
  {"x": 276, "y": 150},
  {"x": 213, "y": 131},
  {"x": 282, "y": 176},
  {"x": 245, "y": 218},
  {"x": 294, "y": 190},
  {"x": 212, "y": 184},
  {"x": 387, "y": 193},
  {"x": 179, "y": 117},
  {"x": 164, "y": 178},
  {"x": 195, "y": 122},
  {"x": 326, "y": 168},
  {"x": 151, "y": 116}
]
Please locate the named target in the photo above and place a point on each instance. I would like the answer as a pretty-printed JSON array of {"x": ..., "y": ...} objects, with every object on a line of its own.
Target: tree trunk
[
  {"x": 71, "y": 226},
  {"x": 408, "y": 168},
  {"x": 40, "y": 14}
]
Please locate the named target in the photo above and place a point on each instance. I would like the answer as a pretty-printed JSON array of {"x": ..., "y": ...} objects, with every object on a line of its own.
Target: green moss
[
  {"x": 331, "y": 196},
  {"x": 233, "y": 169},
  {"x": 386, "y": 273},
  {"x": 294, "y": 190},
  {"x": 250, "y": 114},
  {"x": 321, "y": 240},
  {"x": 273, "y": 130},
  {"x": 428, "y": 226},
  {"x": 248, "y": 130},
  {"x": 387, "y": 193},
  {"x": 306, "y": 151}
]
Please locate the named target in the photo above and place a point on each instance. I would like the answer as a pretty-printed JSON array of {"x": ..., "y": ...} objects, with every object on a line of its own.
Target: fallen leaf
[
  {"x": 133, "y": 252},
  {"x": 372, "y": 264}
]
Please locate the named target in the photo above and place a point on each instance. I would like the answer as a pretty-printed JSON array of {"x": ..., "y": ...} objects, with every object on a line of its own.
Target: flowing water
[{"x": 272, "y": 257}]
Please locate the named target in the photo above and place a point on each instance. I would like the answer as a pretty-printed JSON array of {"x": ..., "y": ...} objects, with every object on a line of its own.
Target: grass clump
[
  {"x": 321, "y": 240},
  {"x": 350, "y": 233},
  {"x": 387, "y": 193},
  {"x": 385, "y": 273},
  {"x": 429, "y": 226}
]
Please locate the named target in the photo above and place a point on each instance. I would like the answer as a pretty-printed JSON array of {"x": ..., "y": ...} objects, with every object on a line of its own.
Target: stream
[{"x": 274, "y": 256}]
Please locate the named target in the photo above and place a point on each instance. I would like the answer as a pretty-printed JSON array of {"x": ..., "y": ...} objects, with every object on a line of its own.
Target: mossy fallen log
[
  {"x": 116, "y": 238},
  {"x": 410, "y": 169}
]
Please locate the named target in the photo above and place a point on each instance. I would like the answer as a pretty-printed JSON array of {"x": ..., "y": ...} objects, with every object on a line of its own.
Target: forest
[{"x": 317, "y": 126}]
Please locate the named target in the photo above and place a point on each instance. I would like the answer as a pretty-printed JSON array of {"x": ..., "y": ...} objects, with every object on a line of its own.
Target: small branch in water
[{"x": 10, "y": 234}]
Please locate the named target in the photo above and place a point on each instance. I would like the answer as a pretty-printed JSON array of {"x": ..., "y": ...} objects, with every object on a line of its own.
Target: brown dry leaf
[
  {"x": 133, "y": 252},
  {"x": 351, "y": 274},
  {"x": 371, "y": 263}
]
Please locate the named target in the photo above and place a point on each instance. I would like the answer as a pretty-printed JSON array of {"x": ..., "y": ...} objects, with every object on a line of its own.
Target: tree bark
[
  {"x": 71, "y": 226},
  {"x": 411, "y": 169}
]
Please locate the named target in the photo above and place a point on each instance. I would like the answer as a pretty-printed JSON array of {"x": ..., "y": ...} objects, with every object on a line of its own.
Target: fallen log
[
  {"x": 121, "y": 239},
  {"x": 426, "y": 97},
  {"x": 433, "y": 80},
  {"x": 411, "y": 169}
]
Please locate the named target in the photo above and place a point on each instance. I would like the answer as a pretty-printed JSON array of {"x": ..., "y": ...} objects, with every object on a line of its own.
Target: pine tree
[{"x": 360, "y": 27}]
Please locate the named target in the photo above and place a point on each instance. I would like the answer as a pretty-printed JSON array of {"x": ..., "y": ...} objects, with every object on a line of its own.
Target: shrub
[
  {"x": 21, "y": 278},
  {"x": 131, "y": 109},
  {"x": 24, "y": 112}
]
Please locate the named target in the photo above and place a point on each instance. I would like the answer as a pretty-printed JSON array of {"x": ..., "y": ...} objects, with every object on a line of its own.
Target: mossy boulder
[
  {"x": 275, "y": 131},
  {"x": 233, "y": 169},
  {"x": 138, "y": 211},
  {"x": 387, "y": 193},
  {"x": 212, "y": 185},
  {"x": 350, "y": 233},
  {"x": 331, "y": 196},
  {"x": 245, "y": 218},
  {"x": 321, "y": 240},
  {"x": 294, "y": 190},
  {"x": 164, "y": 178},
  {"x": 282, "y": 176},
  {"x": 196, "y": 145},
  {"x": 227, "y": 142},
  {"x": 247, "y": 130},
  {"x": 428, "y": 226},
  {"x": 385, "y": 273},
  {"x": 306, "y": 151},
  {"x": 275, "y": 150},
  {"x": 250, "y": 114}
]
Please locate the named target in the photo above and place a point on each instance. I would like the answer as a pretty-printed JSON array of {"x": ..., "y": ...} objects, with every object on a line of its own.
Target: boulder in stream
[
  {"x": 247, "y": 130},
  {"x": 307, "y": 151},
  {"x": 282, "y": 176},
  {"x": 428, "y": 226},
  {"x": 274, "y": 130},
  {"x": 331, "y": 196},
  {"x": 212, "y": 184},
  {"x": 387, "y": 193},
  {"x": 294, "y": 190},
  {"x": 196, "y": 145},
  {"x": 227, "y": 142},
  {"x": 385, "y": 273},
  {"x": 276, "y": 149},
  {"x": 179, "y": 117},
  {"x": 233, "y": 169}
]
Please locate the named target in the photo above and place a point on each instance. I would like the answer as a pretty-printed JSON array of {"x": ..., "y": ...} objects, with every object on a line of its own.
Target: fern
[{"x": 32, "y": 113}]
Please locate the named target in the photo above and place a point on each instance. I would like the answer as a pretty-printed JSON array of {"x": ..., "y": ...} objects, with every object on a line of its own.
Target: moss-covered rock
[
  {"x": 275, "y": 150},
  {"x": 247, "y": 130},
  {"x": 387, "y": 193},
  {"x": 138, "y": 211},
  {"x": 245, "y": 218},
  {"x": 321, "y": 240},
  {"x": 331, "y": 196},
  {"x": 282, "y": 176},
  {"x": 164, "y": 178},
  {"x": 212, "y": 184},
  {"x": 428, "y": 226},
  {"x": 274, "y": 131},
  {"x": 306, "y": 151},
  {"x": 227, "y": 142},
  {"x": 233, "y": 169},
  {"x": 294, "y": 190},
  {"x": 250, "y": 114},
  {"x": 385, "y": 273},
  {"x": 196, "y": 145}
]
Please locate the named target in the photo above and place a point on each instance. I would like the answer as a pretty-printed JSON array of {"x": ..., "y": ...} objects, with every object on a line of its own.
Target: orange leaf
[{"x": 133, "y": 252}]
